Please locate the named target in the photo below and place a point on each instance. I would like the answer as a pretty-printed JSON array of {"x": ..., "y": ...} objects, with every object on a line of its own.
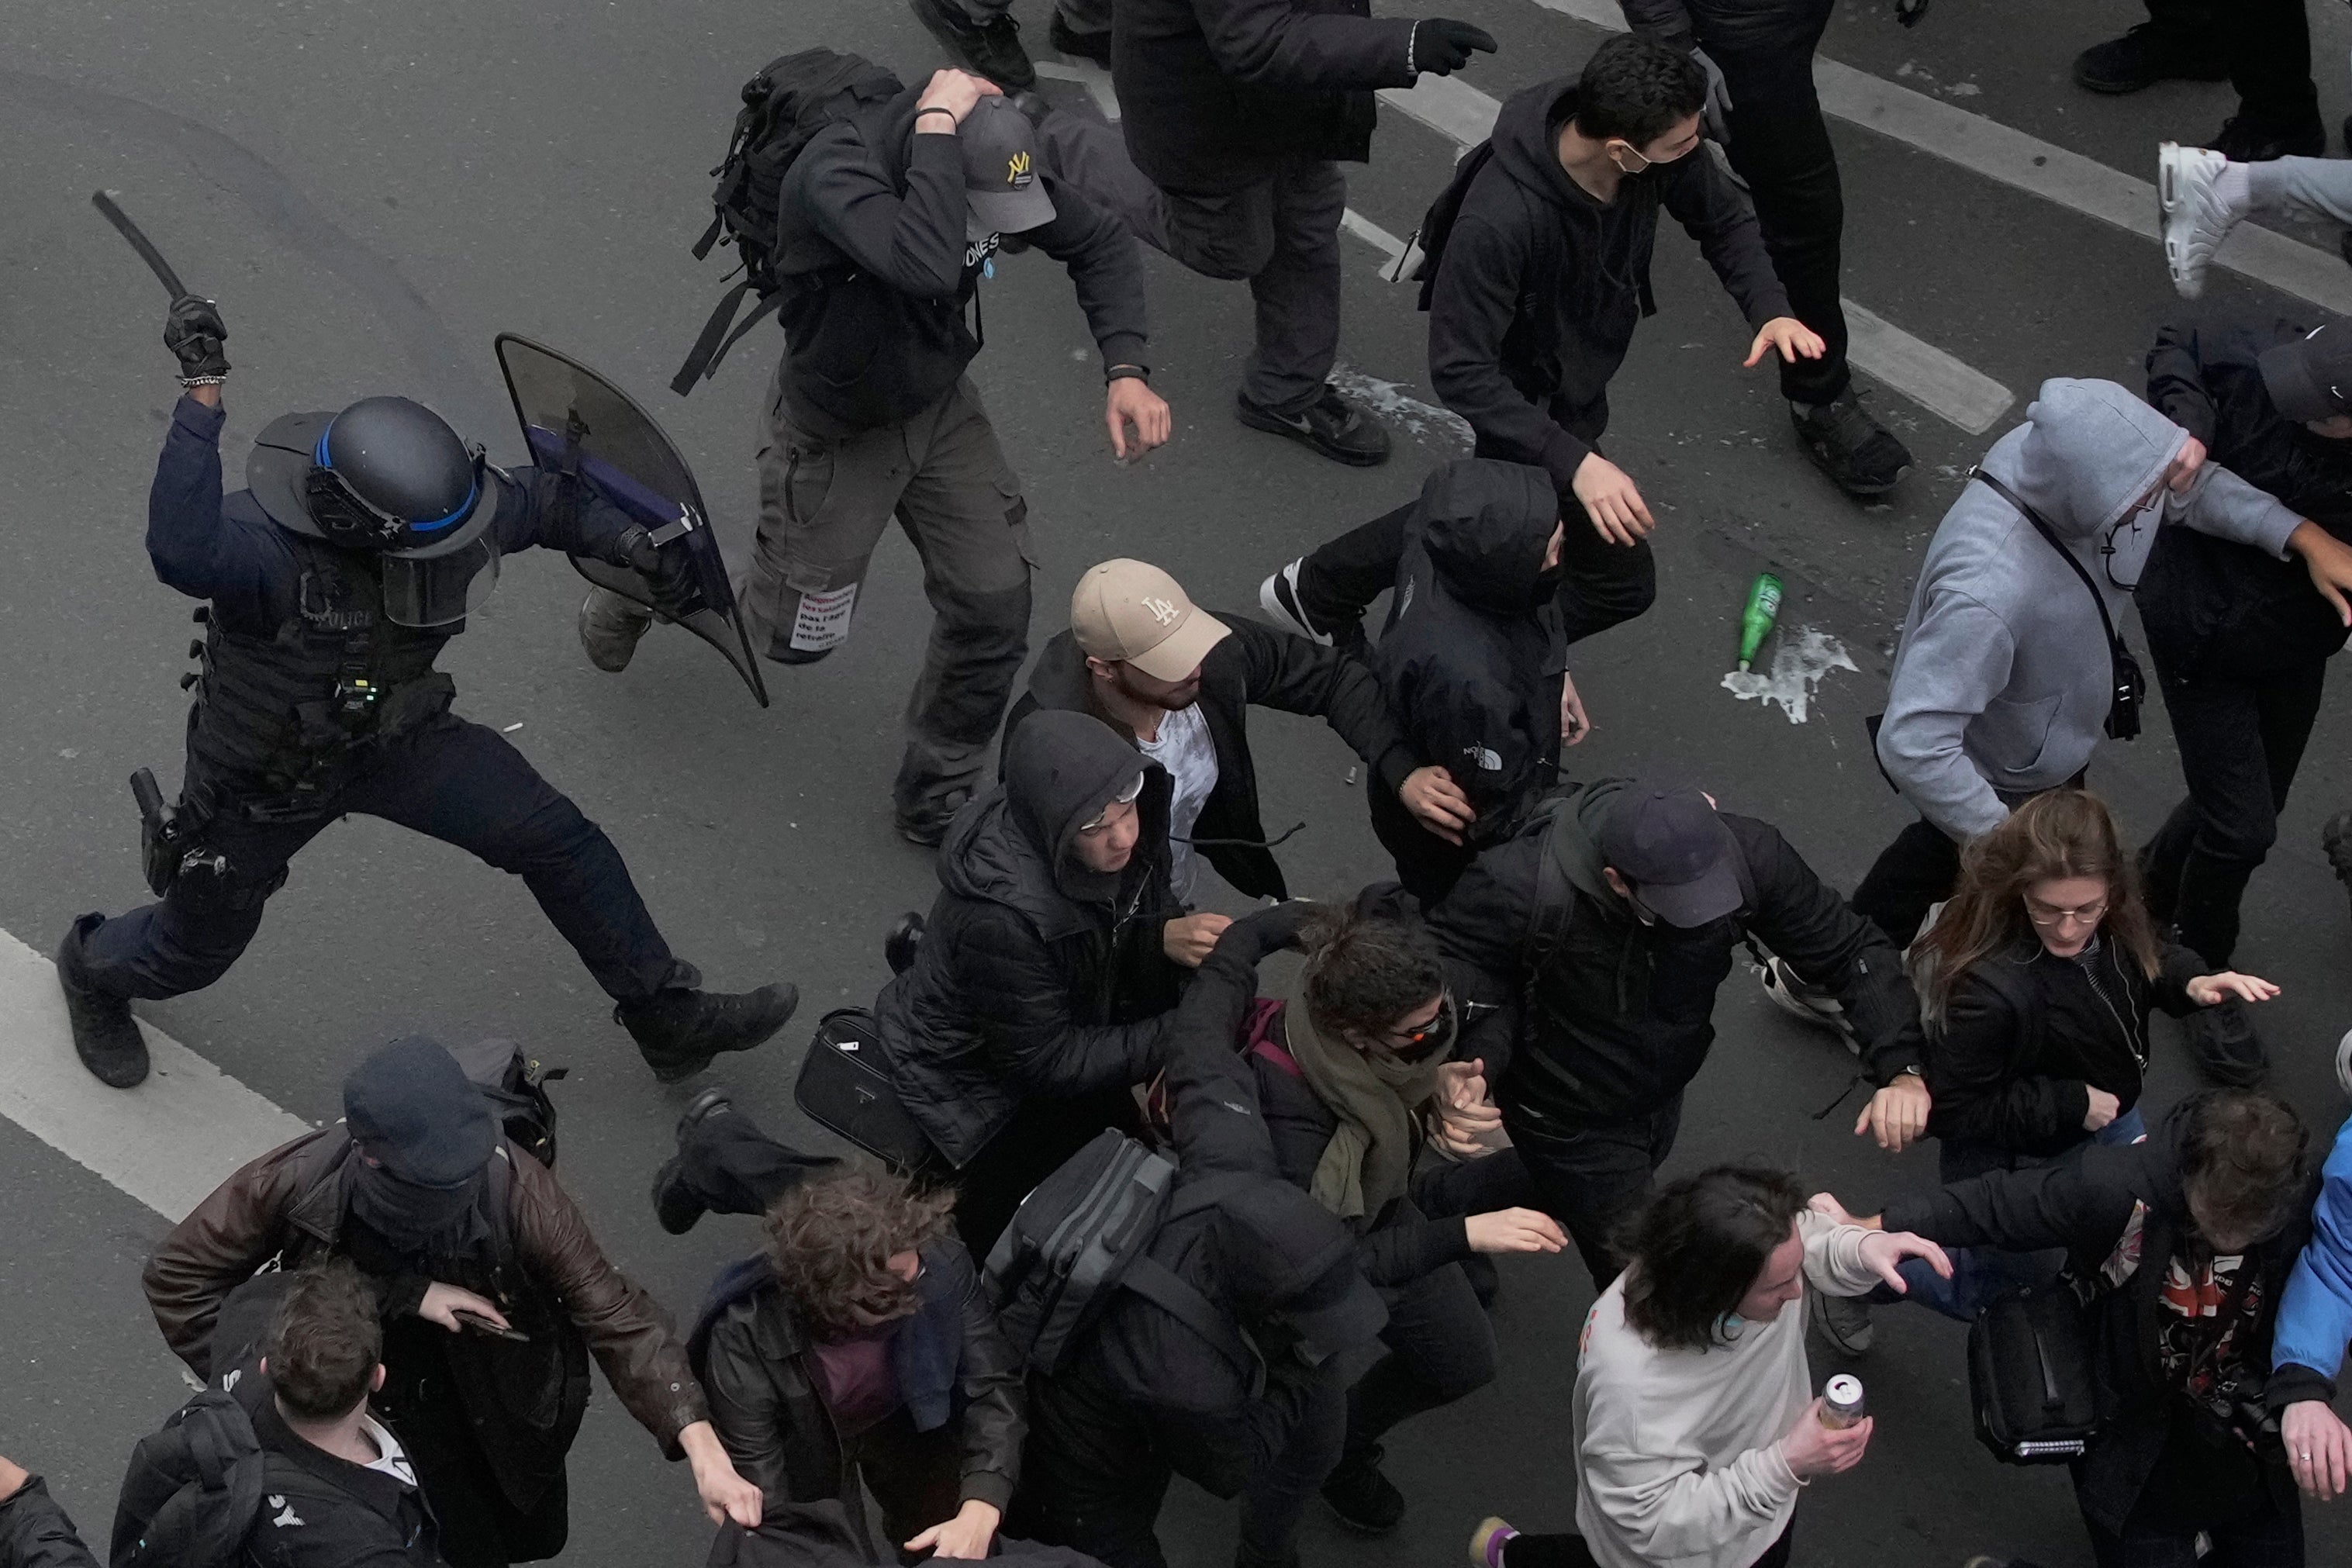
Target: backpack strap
[
  {"x": 1161, "y": 1286},
  {"x": 702, "y": 359}
]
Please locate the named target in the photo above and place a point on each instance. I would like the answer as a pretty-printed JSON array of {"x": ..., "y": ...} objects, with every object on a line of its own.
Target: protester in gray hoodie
[{"x": 2003, "y": 678}]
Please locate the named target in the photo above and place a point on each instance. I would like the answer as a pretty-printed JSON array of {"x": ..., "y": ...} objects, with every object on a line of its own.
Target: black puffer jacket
[
  {"x": 1472, "y": 656},
  {"x": 2026, "y": 1035},
  {"x": 1036, "y": 976},
  {"x": 1600, "y": 1016},
  {"x": 35, "y": 1532},
  {"x": 2207, "y": 603},
  {"x": 783, "y": 1438},
  {"x": 1219, "y": 95},
  {"x": 2085, "y": 1204}
]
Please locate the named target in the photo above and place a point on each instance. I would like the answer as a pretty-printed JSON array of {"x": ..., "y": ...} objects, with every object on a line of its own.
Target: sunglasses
[{"x": 1437, "y": 1035}]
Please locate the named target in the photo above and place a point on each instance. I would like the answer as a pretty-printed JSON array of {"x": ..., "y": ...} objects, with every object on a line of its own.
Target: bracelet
[
  {"x": 937, "y": 109},
  {"x": 1128, "y": 373},
  {"x": 204, "y": 381}
]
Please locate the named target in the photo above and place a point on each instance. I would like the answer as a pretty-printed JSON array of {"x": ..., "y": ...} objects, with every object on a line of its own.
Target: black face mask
[{"x": 418, "y": 1219}]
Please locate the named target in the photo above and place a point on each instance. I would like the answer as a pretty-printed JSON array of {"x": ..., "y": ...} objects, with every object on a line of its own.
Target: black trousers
[
  {"x": 1917, "y": 872},
  {"x": 1441, "y": 1348},
  {"x": 1589, "y": 1175},
  {"x": 2267, "y": 43},
  {"x": 2240, "y": 741},
  {"x": 447, "y": 779},
  {"x": 732, "y": 1167},
  {"x": 1567, "y": 1549},
  {"x": 480, "y": 1525},
  {"x": 1098, "y": 1464},
  {"x": 1781, "y": 146}
]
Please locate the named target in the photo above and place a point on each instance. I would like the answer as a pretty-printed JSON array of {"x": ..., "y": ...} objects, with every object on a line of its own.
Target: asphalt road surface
[{"x": 373, "y": 191}]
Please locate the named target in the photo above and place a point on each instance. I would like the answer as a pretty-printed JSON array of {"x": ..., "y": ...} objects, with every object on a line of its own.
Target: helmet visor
[{"x": 439, "y": 590}]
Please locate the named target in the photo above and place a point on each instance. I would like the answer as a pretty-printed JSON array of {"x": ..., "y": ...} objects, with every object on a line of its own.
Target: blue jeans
[{"x": 1980, "y": 1274}]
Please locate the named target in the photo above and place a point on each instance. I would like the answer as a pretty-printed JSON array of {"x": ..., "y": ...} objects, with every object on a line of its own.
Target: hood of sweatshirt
[
  {"x": 2087, "y": 455},
  {"x": 1016, "y": 845},
  {"x": 1526, "y": 141},
  {"x": 1486, "y": 526}
]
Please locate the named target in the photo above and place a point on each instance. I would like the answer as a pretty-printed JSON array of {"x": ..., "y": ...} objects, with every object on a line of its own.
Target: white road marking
[
  {"x": 1371, "y": 233},
  {"x": 2024, "y": 163},
  {"x": 1918, "y": 369},
  {"x": 169, "y": 1143}
]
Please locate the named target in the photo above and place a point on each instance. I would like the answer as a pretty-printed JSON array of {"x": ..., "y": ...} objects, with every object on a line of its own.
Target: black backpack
[
  {"x": 516, "y": 1086},
  {"x": 2031, "y": 1383},
  {"x": 785, "y": 108},
  {"x": 1437, "y": 223},
  {"x": 194, "y": 1488},
  {"x": 1079, "y": 1238}
]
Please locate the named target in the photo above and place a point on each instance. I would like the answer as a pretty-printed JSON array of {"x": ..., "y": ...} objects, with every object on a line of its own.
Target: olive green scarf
[{"x": 1366, "y": 1165}]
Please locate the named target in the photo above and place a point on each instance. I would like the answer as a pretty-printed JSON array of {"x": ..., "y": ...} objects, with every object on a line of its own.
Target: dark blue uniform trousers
[{"x": 447, "y": 779}]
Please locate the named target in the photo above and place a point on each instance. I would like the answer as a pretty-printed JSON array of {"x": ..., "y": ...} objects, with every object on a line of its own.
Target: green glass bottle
[{"x": 1756, "y": 621}]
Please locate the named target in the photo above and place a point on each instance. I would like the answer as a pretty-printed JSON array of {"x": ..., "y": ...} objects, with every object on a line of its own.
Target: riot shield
[{"x": 574, "y": 421}]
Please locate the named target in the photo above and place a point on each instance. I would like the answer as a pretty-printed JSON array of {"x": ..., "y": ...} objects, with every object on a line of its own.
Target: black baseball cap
[
  {"x": 2310, "y": 377},
  {"x": 1002, "y": 193},
  {"x": 1667, "y": 841}
]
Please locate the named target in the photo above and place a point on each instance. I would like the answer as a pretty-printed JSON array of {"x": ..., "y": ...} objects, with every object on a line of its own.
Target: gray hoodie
[{"x": 2001, "y": 680}]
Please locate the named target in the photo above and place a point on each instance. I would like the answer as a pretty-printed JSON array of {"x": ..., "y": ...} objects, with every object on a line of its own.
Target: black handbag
[
  {"x": 2128, "y": 686},
  {"x": 845, "y": 1085},
  {"x": 2030, "y": 1385}
]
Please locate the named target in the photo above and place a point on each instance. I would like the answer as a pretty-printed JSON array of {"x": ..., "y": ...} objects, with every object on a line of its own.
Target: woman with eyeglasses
[
  {"x": 1353, "y": 1063},
  {"x": 2035, "y": 984}
]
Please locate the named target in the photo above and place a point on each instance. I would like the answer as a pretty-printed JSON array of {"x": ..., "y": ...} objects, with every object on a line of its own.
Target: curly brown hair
[{"x": 830, "y": 1241}]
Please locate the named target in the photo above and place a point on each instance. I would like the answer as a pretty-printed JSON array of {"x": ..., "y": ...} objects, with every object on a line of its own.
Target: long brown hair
[{"x": 2057, "y": 834}]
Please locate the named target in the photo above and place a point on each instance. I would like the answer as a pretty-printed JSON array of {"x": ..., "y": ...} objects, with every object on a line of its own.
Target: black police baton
[{"x": 112, "y": 211}]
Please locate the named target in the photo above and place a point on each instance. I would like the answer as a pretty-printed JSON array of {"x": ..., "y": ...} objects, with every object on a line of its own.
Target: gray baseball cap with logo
[
  {"x": 1003, "y": 192},
  {"x": 2310, "y": 377}
]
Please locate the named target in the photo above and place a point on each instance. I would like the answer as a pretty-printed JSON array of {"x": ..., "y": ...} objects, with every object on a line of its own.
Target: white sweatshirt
[{"x": 1676, "y": 1450}]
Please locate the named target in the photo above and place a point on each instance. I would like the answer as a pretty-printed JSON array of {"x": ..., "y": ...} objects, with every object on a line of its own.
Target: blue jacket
[{"x": 2315, "y": 1317}]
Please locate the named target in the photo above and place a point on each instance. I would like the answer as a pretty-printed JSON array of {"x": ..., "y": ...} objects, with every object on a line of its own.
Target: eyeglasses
[
  {"x": 1126, "y": 797},
  {"x": 2081, "y": 914},
  {"x": 1419, "y": 1044}
]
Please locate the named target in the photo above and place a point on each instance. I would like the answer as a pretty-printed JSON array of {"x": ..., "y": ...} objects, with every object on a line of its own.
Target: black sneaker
[
  {"x": 2245, "y": 139},
  {"x": 1278, "y": 597},
  {"x": 2144, "y": 57},
  {"x": 928, "y": 824},
  {"x": 1860, "y": 456},
  {"x": 676, "y": 1207},
  {"x": 105, "y": 1035},
  {"x": 2335, "y": 839},
  {"x": 992, "y": 49},
  {"x": 1330, "y": 424},
  {"x": 1364, "y": 1499},
  {"x": 677, "y": 1032},
  {"x": 1094, "y": 47},
  {"x": 2223, "y": 1043}
]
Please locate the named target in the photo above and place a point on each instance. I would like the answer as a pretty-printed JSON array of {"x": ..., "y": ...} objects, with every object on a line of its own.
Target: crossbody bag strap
[{"x": 2043, "y": 527}]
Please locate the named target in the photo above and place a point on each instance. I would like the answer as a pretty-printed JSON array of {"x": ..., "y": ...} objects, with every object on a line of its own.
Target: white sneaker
[
  {"x": 2344, "y": 1063},
  {"x": 1278, "y": 597},
  {"x": 2193, "y": 217},
  {"x": 1805, "y": 1003}
]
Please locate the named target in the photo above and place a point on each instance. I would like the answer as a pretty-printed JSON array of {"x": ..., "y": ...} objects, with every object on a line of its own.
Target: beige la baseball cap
[{"x": 1132, "y": 611}]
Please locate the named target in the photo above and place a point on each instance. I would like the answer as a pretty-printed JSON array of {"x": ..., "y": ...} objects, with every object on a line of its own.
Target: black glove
[
  {"x": 668, "y": 572},
  {"x": 193, "y": 332},
  {"x": 1444, "y": 47}
]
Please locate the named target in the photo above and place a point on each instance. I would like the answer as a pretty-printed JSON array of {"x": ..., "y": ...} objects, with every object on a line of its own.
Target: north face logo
[{"x": 287, "y": 1517}]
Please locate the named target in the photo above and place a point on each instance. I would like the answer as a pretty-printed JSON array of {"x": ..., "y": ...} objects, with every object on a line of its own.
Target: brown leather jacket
[{"x": 290, "y": 1203}]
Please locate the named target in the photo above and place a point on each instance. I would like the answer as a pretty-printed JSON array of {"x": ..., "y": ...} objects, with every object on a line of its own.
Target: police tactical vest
[{"x": 293, "y": 715}]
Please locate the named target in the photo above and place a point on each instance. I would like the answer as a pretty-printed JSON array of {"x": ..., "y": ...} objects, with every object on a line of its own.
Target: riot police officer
[{"x": 334, "y": 578}]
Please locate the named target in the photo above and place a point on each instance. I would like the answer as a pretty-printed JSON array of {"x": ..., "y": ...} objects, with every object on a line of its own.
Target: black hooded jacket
[
  {"x": 1036, "y": 976},
  {"x": 2210, "y": 605},
  {"x": 1260, "y": 666},
  {"x": 1539, "y": 285},
  {"x": 1472, "y": 654},
  {"x": 879, "y": 275},
  {"x": 1219, "y": 95},
  {"x": 326, "y": 1512},
  {"x": 1600, "y": 1016},
  {"x": 2084, "y": 1205}
]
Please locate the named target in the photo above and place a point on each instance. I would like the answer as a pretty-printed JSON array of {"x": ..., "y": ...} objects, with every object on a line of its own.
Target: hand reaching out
[
  {"x": 1795, "y": 341},
  {"x": 2209, "y": 989},
  {"x": 1130, "y": 402},
  {"x": 1612, "y": 500}
]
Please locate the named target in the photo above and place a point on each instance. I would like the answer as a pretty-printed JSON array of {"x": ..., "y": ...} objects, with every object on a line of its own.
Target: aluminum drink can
[{"x": 1842, "y": 1403}]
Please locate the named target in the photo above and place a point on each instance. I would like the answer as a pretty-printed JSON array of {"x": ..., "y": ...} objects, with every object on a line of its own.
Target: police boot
[
  {"x": 677, "y": 1032},
  {"x": 610, "y": 626},
  {"x": 105, "y": 1034}
]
